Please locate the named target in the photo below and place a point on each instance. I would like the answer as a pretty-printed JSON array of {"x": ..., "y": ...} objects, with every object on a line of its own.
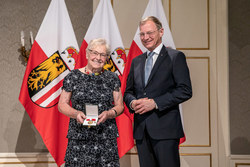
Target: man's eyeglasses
[
  {"x": 149, "y": 33},
  {"x": 95, "y": 53}
]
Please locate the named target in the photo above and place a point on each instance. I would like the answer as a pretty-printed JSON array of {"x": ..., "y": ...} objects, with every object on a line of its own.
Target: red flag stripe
[
  {"x": 49, "y": 93},
  {"x": 99, "y": 29},
  {"x": 55, "y": 101},
  {"x": 124, "y": 123},
  {"x": 50, "y": 86},
  {"x": 133, "y": 52},
  {"x": 50, "y": 123},
  {"x": 82, "y": 61}
]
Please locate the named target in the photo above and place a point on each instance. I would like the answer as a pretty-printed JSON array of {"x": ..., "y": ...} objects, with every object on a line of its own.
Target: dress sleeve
[
  {"x": 68, "y": 82},
  {"x": 117, "y": 83}
]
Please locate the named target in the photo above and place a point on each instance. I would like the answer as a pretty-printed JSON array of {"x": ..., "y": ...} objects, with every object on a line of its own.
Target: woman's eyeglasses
[{"x": 95, "y": 53}]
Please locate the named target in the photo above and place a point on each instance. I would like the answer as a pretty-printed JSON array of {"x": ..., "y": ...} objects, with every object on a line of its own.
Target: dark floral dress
[{"x": 94, "y": 146}]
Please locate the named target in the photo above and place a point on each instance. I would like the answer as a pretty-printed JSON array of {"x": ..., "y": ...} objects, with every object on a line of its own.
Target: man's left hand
[{"x": 144, "y": 105}]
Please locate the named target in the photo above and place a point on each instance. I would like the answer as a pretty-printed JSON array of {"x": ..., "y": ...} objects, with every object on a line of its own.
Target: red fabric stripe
[
  {"x": 134, "y": 51},
  {"x": 51, "y": 124},
  {"x": 82, "y": 61},
  {"x": 125, "y": 140},
  {"x": 34, "y": 60},
  {"x": 183, "y": 139},
  {"x": 53, "y": 102},
  {"x": 48, "y": 94},
  {"x": 124, "y": 121}
]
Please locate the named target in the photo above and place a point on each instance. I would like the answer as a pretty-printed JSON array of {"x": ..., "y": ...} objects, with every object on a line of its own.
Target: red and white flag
[
  {"x": 52, "y": 57},
  {"x": 104, "y": 25},
  {"x": 154, "y": 8}
]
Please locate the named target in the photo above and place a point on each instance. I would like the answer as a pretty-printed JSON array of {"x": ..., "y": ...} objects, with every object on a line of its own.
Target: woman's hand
[
  {"x": 106, "y": 115},
  {"x": 65, "y": 108},
  {"x": 80, "y": 117}
]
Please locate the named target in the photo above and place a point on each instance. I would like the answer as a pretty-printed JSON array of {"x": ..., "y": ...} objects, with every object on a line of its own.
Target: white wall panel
[
  {"x": 196, "y": 160},
  {"x": 190, "y": 24},
  {"x": 196, "y": 114}
]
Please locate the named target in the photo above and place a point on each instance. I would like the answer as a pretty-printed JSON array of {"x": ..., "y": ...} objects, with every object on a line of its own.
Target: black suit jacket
[{"x": 169, "y": 85}]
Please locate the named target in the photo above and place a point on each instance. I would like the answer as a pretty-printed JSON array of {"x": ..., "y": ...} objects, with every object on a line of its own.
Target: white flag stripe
[
  {"x": 47, "y": 88},
  {"x": 180, "y": 107},
  {"x": 58, "y": 33},
  {"x": 52, "y": 97},
  {"x": 118, "y": 62},
  {"x": 155, "y": 8},
  {"x": 55, "y": 34},
  {"x": 104, "y": 25},
  {"x": 107, "y": 26}
]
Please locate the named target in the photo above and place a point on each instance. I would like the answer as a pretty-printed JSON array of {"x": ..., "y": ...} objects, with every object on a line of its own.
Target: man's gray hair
[{"x": 153, "y": 19}]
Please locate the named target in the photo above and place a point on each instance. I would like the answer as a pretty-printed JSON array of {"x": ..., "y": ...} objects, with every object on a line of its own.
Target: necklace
[{"x": 97, "y": 73}]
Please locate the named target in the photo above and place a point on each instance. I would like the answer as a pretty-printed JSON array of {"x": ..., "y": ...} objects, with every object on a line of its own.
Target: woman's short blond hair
[{"x": 97, "y": 42}]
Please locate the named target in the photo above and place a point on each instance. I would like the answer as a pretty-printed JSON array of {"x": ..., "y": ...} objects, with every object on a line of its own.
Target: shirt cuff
[
  {"x": 130, "y": 105},
  {"x": 156, "y": 107}
]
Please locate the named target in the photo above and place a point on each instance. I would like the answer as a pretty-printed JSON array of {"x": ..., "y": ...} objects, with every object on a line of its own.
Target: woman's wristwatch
[{"x": 114, "y": 111}]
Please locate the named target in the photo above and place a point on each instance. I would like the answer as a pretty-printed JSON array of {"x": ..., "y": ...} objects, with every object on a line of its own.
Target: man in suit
[{"x": 154, "y": 97}]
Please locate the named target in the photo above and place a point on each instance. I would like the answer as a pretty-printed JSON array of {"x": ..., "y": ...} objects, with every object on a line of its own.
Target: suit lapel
[
  {"x": 142, "y": 68},
  {"x": 163, "y": 55}
]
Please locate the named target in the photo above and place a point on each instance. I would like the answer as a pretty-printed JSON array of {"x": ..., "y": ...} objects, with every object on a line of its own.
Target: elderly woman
[{"x": 92, "y": 146}]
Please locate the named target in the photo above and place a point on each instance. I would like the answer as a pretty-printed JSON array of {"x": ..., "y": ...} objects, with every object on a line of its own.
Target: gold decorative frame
[
  {"x": 198, "y": 154},
  {"x": 244, "y": 164},
  {"x": 209, "y": 105},
  {"x": 29, "y": 162},
  {"x": 187, "y": 154},
  {"x": 26, "y": 158}
]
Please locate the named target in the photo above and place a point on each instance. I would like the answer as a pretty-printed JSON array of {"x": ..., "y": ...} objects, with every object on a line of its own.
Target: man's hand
[{"x": 144, "y": 105}]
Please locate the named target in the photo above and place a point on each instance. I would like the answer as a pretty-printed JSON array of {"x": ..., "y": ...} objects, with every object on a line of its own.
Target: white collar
[{"x": 157, "y": 50}]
